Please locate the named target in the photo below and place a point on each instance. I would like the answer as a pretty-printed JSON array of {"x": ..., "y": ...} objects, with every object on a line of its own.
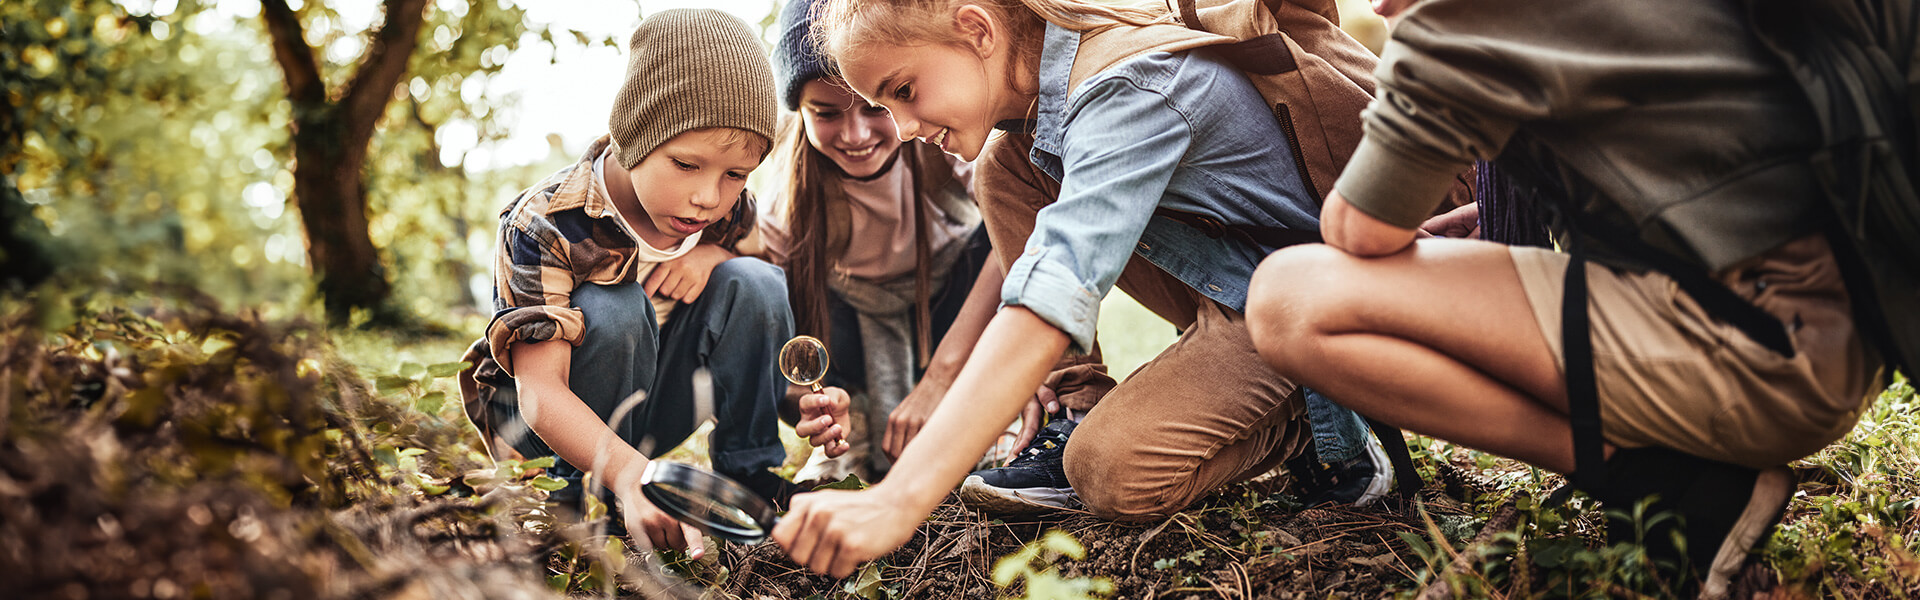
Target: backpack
[
  {"x": 1855, "y": 60},
  {"x": 1316, "y": 77}
]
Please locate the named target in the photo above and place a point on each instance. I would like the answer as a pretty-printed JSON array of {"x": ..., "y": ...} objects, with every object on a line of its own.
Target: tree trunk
[
  {"x": 330, "y": 137},
  {"x": 331, "y": 196}
]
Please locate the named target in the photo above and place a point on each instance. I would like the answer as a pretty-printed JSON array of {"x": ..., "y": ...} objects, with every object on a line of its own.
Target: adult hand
[
  {"x": 1461, "y": 222},
  {"x": 1359, "y": 233},
  {"x": 684, "y": 278},
  {"x": 833, "y": 531},
  {"x": 649, "y": 524},
  {"x": 824, "y": 420},
  {"x": 906, "y": 419}
]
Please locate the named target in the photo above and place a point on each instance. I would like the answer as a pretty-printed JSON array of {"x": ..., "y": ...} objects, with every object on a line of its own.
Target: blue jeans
[
  {"x": 734, "y": 329},
  {"x": 1338, "y": 432}
]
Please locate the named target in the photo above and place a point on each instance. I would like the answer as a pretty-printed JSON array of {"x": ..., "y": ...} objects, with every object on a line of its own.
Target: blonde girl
[{"x": 1070, "y": 200}]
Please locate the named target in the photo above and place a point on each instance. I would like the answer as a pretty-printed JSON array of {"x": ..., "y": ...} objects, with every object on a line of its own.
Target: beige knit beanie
[{"x": 690, "y": 69}]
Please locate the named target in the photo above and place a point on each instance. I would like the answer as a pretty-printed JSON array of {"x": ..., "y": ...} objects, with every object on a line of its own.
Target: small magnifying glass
[
  {"x": 714, "y": 504},
  {"x": 804, "y": 361}
]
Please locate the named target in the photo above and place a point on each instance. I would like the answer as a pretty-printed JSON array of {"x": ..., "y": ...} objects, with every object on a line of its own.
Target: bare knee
[{"x": 1291, "y": 297}]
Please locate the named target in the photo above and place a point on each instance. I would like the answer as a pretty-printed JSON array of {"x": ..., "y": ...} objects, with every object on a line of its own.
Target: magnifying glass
[
  {"x": 708, "y": 501},
  {"x": 714, "y": 504}
]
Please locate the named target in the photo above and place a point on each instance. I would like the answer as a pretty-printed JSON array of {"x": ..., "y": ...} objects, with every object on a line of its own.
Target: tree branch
[
  {"x": 290, "y": 49},
  {"x": 382, "y": 67}
]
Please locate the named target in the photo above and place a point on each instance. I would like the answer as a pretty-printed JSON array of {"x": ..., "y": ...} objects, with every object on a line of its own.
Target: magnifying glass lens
[{"x": 708, "y": 502}]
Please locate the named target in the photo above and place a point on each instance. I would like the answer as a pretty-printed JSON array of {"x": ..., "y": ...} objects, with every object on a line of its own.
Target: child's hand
[
  {"x": 684, "y": 278},
  {"x": 906, "y": 419},
  {"x": 823, "y": 420},
  {"x": 1044, "y": 402},
  {"x": 833, "y": 531},
  {"x": 646, "y": 523},
  {"x": 1461, "y": 222}
]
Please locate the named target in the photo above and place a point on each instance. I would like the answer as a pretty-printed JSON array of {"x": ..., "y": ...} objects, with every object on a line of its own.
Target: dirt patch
[{"x": 1243, "y": 542}]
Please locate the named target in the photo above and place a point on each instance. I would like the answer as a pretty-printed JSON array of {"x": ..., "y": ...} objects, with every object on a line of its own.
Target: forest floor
[{"x": 164, "y": 448}]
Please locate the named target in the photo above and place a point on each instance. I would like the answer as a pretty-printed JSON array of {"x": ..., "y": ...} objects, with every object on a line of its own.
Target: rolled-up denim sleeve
[{"x": 1121, "y": 146}]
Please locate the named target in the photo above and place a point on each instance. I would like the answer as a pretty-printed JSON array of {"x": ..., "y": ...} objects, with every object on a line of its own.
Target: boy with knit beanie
[{"x": 616, "y": 280}]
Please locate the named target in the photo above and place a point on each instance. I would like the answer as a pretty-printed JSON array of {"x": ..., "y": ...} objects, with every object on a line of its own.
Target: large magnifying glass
[{"x": 714, "y": 504}]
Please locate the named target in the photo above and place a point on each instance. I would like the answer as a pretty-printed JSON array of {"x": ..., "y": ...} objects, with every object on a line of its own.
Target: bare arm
[
  {"x": 833, "y": 531},
  {"x": 578, "y": 435},
  {"x": 912, "y": 413}
]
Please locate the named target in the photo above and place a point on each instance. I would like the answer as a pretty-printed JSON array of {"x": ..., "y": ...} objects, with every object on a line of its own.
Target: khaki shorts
[{"x": 1669, "y": 374}]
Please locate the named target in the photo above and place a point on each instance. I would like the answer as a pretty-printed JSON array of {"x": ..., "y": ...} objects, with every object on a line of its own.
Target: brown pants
[
  {"x": 1205, "y": 412},
  {"x": 1671, "y": 374}
]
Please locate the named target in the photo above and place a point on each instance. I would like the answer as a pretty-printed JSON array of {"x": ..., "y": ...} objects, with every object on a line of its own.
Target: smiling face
[
  {"x": 949, "y": 92},
  {"x": 857, "y": 136},
  {"x": 937, "y": 93},
  {"x": 690, "y": 182}
]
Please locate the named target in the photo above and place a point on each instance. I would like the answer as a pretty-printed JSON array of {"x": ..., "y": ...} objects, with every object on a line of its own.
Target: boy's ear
[{"x": 977, "y": 28}]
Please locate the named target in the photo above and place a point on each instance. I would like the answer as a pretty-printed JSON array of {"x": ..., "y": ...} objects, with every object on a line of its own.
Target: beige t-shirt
[
  {"x": 645, "y": 256},
  {"x": 882, "y": 229}
]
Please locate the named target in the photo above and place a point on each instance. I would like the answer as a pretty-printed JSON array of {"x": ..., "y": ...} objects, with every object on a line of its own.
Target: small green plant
[{"x": 1034, "y": 565}]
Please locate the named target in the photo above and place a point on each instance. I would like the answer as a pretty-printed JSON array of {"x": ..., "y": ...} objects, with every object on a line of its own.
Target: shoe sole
[
  {"x": 1382, "y": 473},
  {"x": 975, "y": 492},
  {"x": 1771, "y": 490}
]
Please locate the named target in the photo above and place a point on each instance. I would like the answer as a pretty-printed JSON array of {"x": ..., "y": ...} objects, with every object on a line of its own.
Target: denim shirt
[{"x": 1185, "y": 131}]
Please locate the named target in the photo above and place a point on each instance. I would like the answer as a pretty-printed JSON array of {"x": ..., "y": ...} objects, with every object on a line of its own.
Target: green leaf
[
  {"x": 387, "y": 384},
  {"x": 432, "y": 403},
  {"x": 447, "y": 369},
  {"x": 544, "y": 462},
  {"x": 412, "y": 370},
  {"x": 595, "y": 508},
  {"x": 548, "y": 483}
]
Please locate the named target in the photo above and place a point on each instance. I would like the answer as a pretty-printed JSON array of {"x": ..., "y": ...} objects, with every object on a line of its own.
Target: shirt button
[
  {"x": 1213, "y": 287},
  {"x": 1144, "y": 247}
]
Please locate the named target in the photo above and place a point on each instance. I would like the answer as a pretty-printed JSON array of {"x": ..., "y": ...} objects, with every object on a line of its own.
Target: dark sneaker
[
  {"x": 1033, "y": 482},
  {"x": 1358, "y": 481}
]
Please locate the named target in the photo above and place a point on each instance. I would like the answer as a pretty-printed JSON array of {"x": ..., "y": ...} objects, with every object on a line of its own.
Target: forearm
[
  {"x": 1012, "y": 357},
  {"x": 578, "y": 435}
]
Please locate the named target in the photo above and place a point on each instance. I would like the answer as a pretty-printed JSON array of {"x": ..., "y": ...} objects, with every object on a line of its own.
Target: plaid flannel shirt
[{"x": 554, "y": 237}]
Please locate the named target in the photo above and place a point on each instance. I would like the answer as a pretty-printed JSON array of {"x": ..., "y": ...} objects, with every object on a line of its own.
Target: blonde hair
[{"x": 842, "y": 27}]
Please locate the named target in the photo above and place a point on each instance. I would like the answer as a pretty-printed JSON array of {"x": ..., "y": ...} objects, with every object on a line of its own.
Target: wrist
[{"x": 912, "y": 490}]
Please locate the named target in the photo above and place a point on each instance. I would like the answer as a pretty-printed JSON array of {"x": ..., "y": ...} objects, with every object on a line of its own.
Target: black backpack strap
[
  {"x": 1583, "y": 392},
  {"x": 1409, "y": 479}
]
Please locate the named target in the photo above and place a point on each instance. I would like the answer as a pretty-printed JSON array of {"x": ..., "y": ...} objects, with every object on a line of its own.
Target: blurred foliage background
[{"x": 154, "y": 141}]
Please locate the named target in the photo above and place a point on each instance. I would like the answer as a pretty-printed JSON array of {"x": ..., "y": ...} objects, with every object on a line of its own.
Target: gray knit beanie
[
  {"x": 690, "y": 69},
  {"x": 796, "y": 59}
]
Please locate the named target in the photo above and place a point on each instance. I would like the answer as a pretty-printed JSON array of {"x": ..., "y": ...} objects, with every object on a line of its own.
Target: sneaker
[
  {"x": 1033, "y": 482},
  {"x": 1358, "y": 481}
]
